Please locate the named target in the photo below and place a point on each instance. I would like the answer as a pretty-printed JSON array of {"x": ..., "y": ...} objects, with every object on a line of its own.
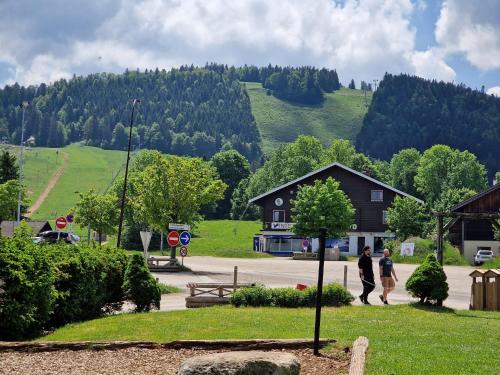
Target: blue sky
[{"x": 452, "y": 40}]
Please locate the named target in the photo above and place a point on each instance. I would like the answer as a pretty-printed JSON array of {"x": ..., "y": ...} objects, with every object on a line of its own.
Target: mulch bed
[{"x": 144, "y": 361}]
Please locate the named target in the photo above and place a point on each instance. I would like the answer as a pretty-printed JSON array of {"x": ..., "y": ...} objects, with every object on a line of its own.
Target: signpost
[
  {"x": 185, "y": 238},
  {"x": 319, "y": 294},
  {"x": 70, "y": 218},
  {"x": 183, "y": 252},
  {"x": 177, "y": 226}
]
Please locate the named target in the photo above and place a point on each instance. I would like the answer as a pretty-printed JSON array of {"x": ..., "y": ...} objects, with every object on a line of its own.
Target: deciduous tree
[{"x": 406, "y": 217}]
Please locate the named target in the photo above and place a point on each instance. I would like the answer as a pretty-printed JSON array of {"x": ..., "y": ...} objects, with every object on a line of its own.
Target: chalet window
[
  {"x": 384, "y": 217},
  {"x": 279, "y": 216},
  {"x": 377, "y": 195}
]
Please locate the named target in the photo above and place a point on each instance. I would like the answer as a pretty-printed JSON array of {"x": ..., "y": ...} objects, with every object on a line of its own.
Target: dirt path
[{"x": 50, "y": 185}]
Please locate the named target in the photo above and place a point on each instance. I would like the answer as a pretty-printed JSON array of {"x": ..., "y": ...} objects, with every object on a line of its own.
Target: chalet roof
[
  {"x": 7, "y": 227},
  {"x": 475, "y": 197},
  {"x": 328, "y": 167}
]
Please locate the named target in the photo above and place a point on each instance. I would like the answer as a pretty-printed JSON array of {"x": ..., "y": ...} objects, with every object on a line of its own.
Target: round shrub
[
  {"x": 333, "y": 295},
  {"x": 28, "y": 297},
  {"x": 428, "y": 282},
  {"x": 140, "y": 286},
  {"x": 255, "y": 296}
]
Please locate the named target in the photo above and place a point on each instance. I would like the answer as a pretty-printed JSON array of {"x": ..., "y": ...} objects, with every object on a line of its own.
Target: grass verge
[
  {"x": 168, "y": 289},
  {"x": 403, "y": 339}
]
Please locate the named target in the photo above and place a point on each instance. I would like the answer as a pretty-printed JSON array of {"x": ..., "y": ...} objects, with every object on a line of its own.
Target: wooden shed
[{"x": 7, "y": 227}]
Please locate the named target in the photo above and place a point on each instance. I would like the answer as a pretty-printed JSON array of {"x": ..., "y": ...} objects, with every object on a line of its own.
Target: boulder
[{"x": 242, "y": 363}]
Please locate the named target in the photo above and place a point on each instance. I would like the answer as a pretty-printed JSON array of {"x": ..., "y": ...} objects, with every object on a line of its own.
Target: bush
[
  {"x": 89, "y": 281},
  {"x": 428, "y": 282},
  {"x": 28, "y": 297},
  {"x": 424, "y": 247},
  {"x": 140, "y": 286},
  {"x": 333, "y": 295}
]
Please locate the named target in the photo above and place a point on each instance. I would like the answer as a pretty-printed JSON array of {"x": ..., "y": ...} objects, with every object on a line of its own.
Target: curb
[
  {"x": 181, "y": 344},
  {"x": 358, "y": 357}
]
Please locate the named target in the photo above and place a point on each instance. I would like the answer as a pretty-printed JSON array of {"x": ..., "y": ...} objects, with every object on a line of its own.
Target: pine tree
[{"x": 8, "y": 167}]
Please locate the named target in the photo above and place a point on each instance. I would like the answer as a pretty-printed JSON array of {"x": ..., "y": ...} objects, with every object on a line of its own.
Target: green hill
[{"x": 339, "y": 116}]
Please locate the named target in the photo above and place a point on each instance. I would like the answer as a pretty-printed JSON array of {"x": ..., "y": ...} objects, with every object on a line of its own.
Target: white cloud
[
  {"x": 494, "y": 91},
  {"x": 430, "y": 64},
  {"x": 361, "y": 39},
  {"x": 472, "y": 28}
]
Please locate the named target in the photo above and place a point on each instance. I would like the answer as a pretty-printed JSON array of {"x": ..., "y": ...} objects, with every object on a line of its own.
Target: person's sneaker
[
  {"x": 366, "y": 302},
  {"x": 386, "y": 303},
  {"x": 361, "y": 298},
  {"x": 381, "y": 297}
]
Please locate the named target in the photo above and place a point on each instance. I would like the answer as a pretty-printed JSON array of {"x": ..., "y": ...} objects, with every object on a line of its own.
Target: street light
[
  {"x": 23, "y": 105},
  {"x": 120, "y": 223}
]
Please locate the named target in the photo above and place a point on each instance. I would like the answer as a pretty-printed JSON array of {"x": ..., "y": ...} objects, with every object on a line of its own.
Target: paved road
[{"x": 282, "y": 272}]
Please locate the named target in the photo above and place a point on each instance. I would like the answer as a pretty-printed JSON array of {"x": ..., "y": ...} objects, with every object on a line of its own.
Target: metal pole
[
  {"x": 345, "y": 276},
  {"x": 122, "y": 207},
  {"x": 235, "y": 278},
  {"x": 21, "y": 162},
  {"x": 440, "y": 239},
  {"x": 319, "y": 294}
]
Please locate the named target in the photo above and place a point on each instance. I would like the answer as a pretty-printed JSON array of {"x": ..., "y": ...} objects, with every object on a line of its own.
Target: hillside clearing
[{"x": 340, "y": 116}]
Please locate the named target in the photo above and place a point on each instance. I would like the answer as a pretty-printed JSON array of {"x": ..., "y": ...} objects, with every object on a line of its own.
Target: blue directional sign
[{"x": 185, "y": 238}]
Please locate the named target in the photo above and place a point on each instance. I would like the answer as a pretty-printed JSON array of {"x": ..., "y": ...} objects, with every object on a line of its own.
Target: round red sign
[
  {"x": 61, "y": 222},
  {"x": 173, "y": 238}
]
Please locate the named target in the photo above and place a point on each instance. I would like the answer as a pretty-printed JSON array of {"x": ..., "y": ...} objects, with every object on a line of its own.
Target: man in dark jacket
[{"x": 366, "y": 274}]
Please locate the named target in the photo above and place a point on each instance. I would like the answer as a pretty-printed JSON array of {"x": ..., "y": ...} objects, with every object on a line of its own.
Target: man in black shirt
[{"x": 366, "y": 274}]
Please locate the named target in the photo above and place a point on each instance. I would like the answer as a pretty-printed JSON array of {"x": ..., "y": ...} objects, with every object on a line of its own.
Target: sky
[{"x": 451, "y": 40}]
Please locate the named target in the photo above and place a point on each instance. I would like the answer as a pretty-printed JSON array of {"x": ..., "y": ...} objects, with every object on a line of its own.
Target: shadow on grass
[{"x": 432, "y": 308}]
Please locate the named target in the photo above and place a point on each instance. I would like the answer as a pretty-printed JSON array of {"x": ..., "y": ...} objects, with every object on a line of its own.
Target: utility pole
[
  {"x": 24, "y": 105},
  {"x": 122, "y": 207},
  {"x": 375, "y": 85}
]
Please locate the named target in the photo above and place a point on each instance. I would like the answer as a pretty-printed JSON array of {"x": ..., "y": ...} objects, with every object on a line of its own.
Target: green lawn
[
  {"x": 339, "y": 116},
  {"x": 40, "y": 163},
  {"x": 88, "y": 167},
  {"x": 403, "y": 339}
]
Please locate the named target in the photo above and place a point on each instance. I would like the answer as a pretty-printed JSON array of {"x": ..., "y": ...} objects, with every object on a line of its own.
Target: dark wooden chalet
[
  {"x": 471, "y": 235},
  {"x": 370, "y": 198},
  {"x": 7, "y": 227}
]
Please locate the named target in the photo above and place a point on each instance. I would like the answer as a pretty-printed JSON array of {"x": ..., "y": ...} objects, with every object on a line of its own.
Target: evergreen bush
[
  {"x": 428, "y": 282},
  {"x": 140, "y": 286},
  {"x": 28, "y": 290}
]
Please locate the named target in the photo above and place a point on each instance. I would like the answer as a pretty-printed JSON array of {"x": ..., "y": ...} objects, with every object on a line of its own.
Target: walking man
[
  {"x": 365, "y": 266},
  {"x": 386, "y": 272}
]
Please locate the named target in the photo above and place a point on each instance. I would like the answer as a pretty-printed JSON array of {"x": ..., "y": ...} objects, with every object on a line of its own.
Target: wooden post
[
  {"x": 345, "y": 276},
  {"x": 440, "y": 238},
  {"x": 235, "y": 279},
  {"x": 319, "y": 293}
]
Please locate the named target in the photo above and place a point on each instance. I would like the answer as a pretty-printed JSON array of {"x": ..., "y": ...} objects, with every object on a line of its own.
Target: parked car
[
  {"x": 482, "y": 256},
  {"x": 52, "y": 236}
]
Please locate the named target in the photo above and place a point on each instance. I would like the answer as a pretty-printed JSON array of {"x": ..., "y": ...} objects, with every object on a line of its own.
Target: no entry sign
[
  {"x": 61, "y": 222},
  {"x": 173, "y": 238}
]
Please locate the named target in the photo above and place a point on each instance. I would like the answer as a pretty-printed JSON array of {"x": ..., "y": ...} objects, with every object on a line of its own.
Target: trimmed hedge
[
  {"x": 47, "y": 285},
  {"x": 333, "y": 295}
]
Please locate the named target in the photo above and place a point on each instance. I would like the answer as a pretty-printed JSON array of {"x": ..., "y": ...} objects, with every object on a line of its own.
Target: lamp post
[
  {"x": 122, "y": 207},
  {"x": 23, "y": 105}
]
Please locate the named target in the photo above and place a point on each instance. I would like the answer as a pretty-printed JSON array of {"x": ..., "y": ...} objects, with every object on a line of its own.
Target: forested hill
[
  {"x": 187, "y": 111},
  {"x": 408, "y": 111}
]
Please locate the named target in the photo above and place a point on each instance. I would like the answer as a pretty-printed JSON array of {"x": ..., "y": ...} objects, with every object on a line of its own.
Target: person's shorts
[{"x": 388, "y": 282}]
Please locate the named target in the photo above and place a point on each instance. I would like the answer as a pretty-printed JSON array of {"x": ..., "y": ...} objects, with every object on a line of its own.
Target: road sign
[
  {"x": 185, "y": 238},
  {"x": 70, "y": 218},
  {"x": 183, "y": 251},
  {"x": 173, "y": 238},
  {"x": 176, "y": 226},
  {"x": 146, "y": 239},
  {"x": 61, "y": 222}
]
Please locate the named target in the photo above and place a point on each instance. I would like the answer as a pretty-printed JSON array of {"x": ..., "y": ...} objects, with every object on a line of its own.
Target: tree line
[
  {"x": 187, "y": 111},
  {"x": 408, "y": 111}
]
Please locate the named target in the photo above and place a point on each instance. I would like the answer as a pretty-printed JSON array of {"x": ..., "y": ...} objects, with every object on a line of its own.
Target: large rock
[{"x": 242, "y": 363}]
